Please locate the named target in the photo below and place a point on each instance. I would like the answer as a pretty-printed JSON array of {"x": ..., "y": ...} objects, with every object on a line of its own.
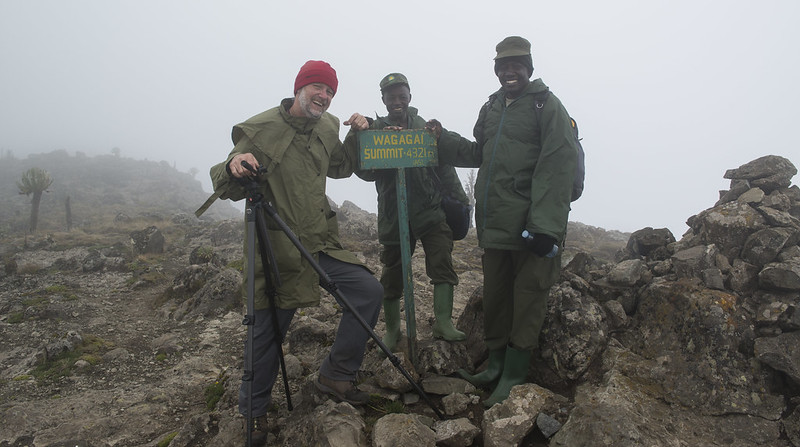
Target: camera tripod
[{"x": 256, "y": 229}]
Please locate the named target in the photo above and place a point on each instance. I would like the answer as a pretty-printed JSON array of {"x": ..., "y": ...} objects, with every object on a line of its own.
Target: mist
[{"x": 667, "y": 95}]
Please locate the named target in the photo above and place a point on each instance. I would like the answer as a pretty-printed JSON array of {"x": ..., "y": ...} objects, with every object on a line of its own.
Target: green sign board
[{"x": 386, "y": 149}]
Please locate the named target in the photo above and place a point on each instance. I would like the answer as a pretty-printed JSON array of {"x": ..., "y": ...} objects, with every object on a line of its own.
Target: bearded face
[{"x": 314, "y": 99}]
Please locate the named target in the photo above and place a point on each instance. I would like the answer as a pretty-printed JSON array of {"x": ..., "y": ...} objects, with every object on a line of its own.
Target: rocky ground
[
  {"x": 131, "y": 335},
  {"x": 95, "y": 357},
  {"x": 105, "y": 344}
]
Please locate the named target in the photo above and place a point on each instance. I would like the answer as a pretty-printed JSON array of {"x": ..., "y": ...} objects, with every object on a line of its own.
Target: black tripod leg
[
  {"x": 330, "y": 286},
  {"x": 268, "y": 259},
  {"x": 249, "y": 320}
]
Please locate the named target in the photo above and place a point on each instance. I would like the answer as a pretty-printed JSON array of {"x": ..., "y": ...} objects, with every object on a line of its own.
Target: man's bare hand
[
  {"x": 435, "y": 127},
  {"x": 236, "y": 168},
  {"x": 357, "y": 122}
]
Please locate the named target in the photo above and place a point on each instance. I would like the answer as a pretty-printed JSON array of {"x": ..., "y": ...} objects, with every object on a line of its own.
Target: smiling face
[
  {"x": 396, "y": 98},
  {"x": 312, "y": 100},
  {"x": 513, "y": 77}
]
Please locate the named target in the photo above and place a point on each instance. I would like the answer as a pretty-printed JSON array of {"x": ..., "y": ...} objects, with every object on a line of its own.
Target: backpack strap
[
  {"x": 540, "y": 99},
  {"x": 477, "y": 131}
]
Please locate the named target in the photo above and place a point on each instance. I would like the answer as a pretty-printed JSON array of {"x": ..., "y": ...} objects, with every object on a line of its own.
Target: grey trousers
[{"x": 365, "y": 295}]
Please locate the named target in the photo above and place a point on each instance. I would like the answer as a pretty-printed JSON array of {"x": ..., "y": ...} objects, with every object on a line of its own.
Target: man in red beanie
[{"x": 298, "y": 143}]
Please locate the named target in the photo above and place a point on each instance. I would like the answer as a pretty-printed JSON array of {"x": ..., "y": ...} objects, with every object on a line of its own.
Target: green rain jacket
[
  {"x": 424, "y": 193},
  {"x": 526, "y": 168},
  {"x": 298, "y": 153}
]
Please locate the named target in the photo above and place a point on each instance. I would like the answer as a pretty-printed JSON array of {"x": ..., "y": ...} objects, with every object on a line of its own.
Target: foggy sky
[{"x": 668, "y": 95}]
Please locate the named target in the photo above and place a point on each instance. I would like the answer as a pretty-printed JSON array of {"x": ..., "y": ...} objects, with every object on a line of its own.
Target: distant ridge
[
  {"x": 100, "y": 186},
  {"x": 104, "y": 186}
]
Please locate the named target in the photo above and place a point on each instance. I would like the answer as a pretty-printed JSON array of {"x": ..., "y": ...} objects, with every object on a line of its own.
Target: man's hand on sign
[
  {"x": 435, "y": 127},
  {"x": 392, "y": 128},
  {"x": 357, "y": 122}
]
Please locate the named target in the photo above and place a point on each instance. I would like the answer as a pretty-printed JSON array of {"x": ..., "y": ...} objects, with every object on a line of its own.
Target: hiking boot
[
  {"x": 342, "y": 390},
  {"x": 258, "y": 431}
]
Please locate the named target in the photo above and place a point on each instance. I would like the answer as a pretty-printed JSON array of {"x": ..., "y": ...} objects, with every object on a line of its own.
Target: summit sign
[{"x": 393, "y": 149}]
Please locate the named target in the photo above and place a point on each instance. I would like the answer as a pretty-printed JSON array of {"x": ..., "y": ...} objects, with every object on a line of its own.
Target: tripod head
[{"x": 250, "y": 183}]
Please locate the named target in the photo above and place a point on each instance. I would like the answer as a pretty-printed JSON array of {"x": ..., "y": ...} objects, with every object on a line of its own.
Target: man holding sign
[{"x": 426, "y": 218}]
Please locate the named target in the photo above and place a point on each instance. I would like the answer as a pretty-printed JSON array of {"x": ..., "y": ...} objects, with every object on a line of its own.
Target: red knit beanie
[{"x": 316, "y": 71}]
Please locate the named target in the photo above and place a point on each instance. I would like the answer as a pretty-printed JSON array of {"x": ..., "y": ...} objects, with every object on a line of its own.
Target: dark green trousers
[
  {"x": 515, "y": 289},
  {"x": 438, "y": 245}
]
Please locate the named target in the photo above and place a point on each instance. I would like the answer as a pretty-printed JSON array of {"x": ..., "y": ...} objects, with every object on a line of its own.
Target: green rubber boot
[
  {"x": 443, "y": 310},
  {"x": 515, "y": 370},
  {"x": 492, "y": 371},
  {"x": 391, "y": 315}
]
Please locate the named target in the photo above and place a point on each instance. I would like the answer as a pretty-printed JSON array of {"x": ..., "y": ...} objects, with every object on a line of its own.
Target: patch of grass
[
  {"x": 160, "y": 357},
  {"x": 16, "y": 318},
  {"x": 55, "y": 368},
  {"x": 136, "y": 265},
  {"x": 150, "y": 277},
  {"x": 55, "y": 288},
  {"x": 386, "y": 406},
  {"x": 378, "y": 407},
  {"x": 213, "y": 393},
  {"x": 140, "y": 265},
  {"x": 60, "y": 289},
  {"x": 90, "y": 350},
  {"x": 93, "y": 344},
  {"x": 237, "y": 265},
  {"x": 394, "y": 406},
  {"x": 167, "y": 439},
  {"x": 204, "y": 254},
  {"x": 146, "y": 268},
  {"x": 80, "y": 238},
  {"x": 93, "y": 359},
  {"x": 34, "y": 301}
]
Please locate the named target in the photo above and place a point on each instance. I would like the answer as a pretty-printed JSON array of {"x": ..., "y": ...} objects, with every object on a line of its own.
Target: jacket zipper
[{"x": 491, "y": 164}]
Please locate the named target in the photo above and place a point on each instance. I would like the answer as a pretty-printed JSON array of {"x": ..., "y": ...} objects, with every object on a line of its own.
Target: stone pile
[{"x": 688, "y": 342}]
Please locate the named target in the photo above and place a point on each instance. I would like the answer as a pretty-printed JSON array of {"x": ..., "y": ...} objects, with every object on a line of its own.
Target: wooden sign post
[{"x": 401, "y": 149}]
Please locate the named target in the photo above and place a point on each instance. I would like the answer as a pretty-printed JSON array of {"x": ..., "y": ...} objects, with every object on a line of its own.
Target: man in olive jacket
[
  {"x": 426, "y": 217},
  {"x": 298, "y": 144},
  {"x": 527, "y": 159}
]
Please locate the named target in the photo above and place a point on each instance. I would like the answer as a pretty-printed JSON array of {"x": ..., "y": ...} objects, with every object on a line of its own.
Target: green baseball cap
[
  {"x": 393, "y": 79},
  {"x": 513, "y": 46}
]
